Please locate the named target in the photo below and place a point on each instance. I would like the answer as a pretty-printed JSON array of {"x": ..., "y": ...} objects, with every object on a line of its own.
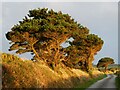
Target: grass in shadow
[
  {"x": 117, "y": 80},
  {"x": 88, "y": 83}
]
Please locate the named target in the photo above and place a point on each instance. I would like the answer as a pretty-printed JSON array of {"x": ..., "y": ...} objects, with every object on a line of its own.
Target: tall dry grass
[{"x": 18, "y": 73}]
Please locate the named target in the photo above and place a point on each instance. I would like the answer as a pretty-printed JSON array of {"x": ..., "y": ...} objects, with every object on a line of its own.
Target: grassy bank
[
  {"x": 90, "y": 82},
  {"x": 20, "y": 73},
  {"x": 117, "y": 80}
]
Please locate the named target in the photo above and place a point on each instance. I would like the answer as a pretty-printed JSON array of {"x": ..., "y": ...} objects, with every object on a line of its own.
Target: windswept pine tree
[{"x": 43, "y": 31}]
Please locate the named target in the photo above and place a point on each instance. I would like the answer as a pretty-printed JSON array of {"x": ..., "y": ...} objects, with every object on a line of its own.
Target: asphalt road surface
[{"x": 108, "y": 82}]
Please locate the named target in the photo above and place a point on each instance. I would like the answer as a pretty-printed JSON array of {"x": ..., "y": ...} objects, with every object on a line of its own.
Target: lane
[{"x": 108, "y": 82}]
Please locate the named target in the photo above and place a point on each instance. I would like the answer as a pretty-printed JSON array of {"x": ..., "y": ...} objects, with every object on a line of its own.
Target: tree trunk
[
  {"x": 32, "y": 46},
  {"x": 56, "y": 56},
  {"x": 90, "y": 59},
  {"x": 105, "y": 68}
]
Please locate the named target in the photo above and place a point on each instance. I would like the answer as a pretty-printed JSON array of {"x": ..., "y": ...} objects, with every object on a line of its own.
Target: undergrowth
[
  {"x": 117, "y": 80},
  {"x": 20, "y": 73},
  {"x": 91, "y": 81}
]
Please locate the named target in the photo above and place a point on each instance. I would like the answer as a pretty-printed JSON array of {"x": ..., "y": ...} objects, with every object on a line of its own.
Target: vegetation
[
  {"x": 90, "y": 82},
  {"x": 104, "y": 62},
  {"x": 20, "y": 73},
  {"x": 43, "y": 31},
  {"x": 118, "y": 80},
  {"x": 82, "y": 50}
]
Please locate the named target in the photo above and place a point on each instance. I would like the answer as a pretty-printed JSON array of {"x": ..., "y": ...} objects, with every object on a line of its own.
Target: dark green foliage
[
  {"x": 118, "y": 73},
  {"x": 117, "y": 80}
]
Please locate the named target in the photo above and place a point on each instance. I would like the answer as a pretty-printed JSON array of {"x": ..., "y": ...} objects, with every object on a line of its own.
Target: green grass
[
  {"x": 117, "y": 81},
  {"x": 88, "y": 83}
]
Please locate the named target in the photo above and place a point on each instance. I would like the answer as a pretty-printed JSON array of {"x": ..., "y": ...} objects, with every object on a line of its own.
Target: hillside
[{"x": 19, "y": 73}]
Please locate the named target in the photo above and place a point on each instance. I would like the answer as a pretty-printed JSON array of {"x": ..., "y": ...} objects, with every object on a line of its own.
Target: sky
[{"x": 100, "y": 17}]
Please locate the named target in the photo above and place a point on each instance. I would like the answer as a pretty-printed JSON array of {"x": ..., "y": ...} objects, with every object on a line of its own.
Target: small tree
[{"x": 104, "y": 62}]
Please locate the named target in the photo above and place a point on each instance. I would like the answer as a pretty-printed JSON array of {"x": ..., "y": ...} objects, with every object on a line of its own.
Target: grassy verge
[
  {"x": 88, "y": 83},
  {"x": 117, "y": 82}
]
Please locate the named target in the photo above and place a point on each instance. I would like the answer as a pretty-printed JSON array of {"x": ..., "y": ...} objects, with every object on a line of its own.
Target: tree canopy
[
  {"x": 43, "y": 31},
  {"x": 82, "y": 50},
  {"x": 104, "y": 62}
]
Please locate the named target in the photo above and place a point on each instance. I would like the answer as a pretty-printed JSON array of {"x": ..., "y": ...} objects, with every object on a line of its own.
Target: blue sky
[{"x": 100, "y": 17}]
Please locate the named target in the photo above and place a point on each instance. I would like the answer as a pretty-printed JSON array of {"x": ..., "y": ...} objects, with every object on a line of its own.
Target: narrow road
[{"x": 108, "y": 82}]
